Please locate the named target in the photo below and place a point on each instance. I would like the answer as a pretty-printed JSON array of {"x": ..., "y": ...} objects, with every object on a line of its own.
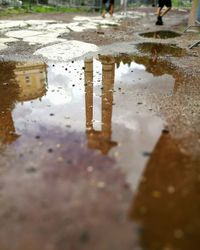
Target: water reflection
[
  {"x": 167, "y": 201},
  {"x": 58, "y": 151},
  {"x": 100, "y": 139},
  {"x": 161, "y": 34},
  {"x": 163, "y": 49},
  {"x": 8, "y": 96},
  {"x": 18, "y": 82},
  {"x": 32, "y": 79}
]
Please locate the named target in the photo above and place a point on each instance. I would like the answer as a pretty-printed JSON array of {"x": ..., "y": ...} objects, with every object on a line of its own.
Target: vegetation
[
  {"x": 37, "y": 8},
  {"x": 31, "y": 6},
  {"x": 182, "y": 3}
]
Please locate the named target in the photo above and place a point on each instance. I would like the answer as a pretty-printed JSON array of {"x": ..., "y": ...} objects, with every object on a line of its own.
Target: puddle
[
  {"x": 162, "y": 34},
  {"x": 78, "y": 137},
  {"x": 161, "y": 49}
]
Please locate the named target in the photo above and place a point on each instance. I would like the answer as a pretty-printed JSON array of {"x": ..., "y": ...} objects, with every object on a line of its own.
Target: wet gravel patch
[{"x": 20, "y": 48}]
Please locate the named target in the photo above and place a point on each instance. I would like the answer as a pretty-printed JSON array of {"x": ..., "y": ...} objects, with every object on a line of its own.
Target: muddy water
[
  {"x": 86, "y": 162},
  {"x": 161, "y": 34},
  {"x": 161, "y": 49}
]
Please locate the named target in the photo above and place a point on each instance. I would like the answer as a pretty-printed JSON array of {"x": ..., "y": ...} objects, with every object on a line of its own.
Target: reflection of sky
[
  {"x": 125, "y": 69},
  {"x": 135, "y": 129}
]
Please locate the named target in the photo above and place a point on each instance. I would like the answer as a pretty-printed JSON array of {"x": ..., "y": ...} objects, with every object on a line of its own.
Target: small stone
[
  {"x": 171, "y": 189},
  {"x": 146, "y": 154},
  {"x": 60, "y": 159},
  {"x": 84, "y": 236},
  {"x": 50, "y": 150},
  {"x": 101, "y": 184},
  {"x": 89, "y": 169},
  {"x": 31, "y": 170},
  {"x": 165, "y": 131},
  {"x": 156, "y": 194},
  {"x": 178, "y": 233}
]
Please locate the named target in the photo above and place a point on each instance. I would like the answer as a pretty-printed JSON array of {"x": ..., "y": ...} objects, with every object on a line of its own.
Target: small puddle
[
  {"x": 161, "y": 49},
  {"x": 162, "y": 34},
  {"x": 78, "y": 137}
]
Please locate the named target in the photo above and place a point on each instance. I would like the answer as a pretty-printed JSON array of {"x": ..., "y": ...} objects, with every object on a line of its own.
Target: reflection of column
[
  {"x": 167, "y": 202},
  {"x": 108, "y": 71},
  {"x": 100, "y": 139},
  {"x": 89, "y": 93}
]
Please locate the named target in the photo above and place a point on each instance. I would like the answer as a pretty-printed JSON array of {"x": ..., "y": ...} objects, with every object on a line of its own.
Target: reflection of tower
[
  {"x": 100, "y": 139},
  {"x": 31, "y": 78}
]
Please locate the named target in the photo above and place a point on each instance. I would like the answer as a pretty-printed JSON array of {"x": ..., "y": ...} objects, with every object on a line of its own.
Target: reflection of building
[
  {"x": 31, "y": 78},
  {"x": 100, "y": 139},
  {"x": 27, "y": 82},
  {"x": 167, "y": 202}
]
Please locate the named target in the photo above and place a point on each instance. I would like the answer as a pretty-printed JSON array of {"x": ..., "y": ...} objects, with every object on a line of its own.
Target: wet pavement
[
  {"x": 101, "y": 150},
  {"x": 89, "y": 160}
]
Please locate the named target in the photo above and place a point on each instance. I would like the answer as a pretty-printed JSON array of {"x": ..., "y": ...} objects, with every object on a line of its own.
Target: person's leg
[
  {"x": 168, "y": 4},
  {"x": 165, "y": 11},
  {"x": 103, "y": 13},
  {"x": 159, "y": 12},
  {"x": 111, "y": 7}
]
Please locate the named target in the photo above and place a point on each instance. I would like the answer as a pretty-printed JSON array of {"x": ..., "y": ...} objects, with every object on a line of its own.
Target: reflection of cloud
[
  {"x": 137, "y": 74},
  {"x": 140, "y": 135},
  {"x": 59, "y": 96},
  {"x": 126, "y": 69}
]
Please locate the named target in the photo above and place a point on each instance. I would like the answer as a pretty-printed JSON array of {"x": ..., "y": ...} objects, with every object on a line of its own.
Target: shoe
[{"x": 159, "y": 21}]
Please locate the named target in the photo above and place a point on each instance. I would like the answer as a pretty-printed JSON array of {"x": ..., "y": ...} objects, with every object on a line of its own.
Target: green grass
[
  {"x": 52, "y": 9},
  {"x": 33, "y": 8},
  {"x": 179, "y": 4}
]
